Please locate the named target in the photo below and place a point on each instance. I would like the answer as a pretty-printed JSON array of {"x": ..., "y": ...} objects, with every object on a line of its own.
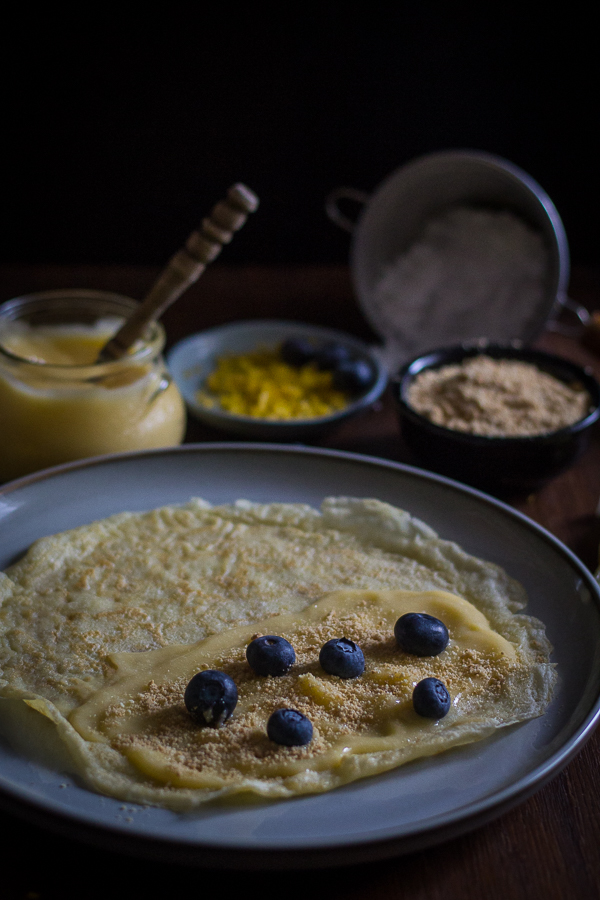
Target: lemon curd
[
  {"x": 370, "y": 718},
  {"x": 57, "y": 404}
]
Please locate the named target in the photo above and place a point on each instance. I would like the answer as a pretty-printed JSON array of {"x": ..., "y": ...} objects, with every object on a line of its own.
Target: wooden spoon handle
[{"x": 185, "y": 267}]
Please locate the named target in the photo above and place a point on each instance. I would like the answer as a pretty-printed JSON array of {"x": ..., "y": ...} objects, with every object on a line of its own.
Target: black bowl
[{"x": 502, "y": 465}]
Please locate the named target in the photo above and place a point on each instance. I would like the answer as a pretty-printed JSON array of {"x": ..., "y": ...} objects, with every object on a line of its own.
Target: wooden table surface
[{"x": 548, "y": 846}]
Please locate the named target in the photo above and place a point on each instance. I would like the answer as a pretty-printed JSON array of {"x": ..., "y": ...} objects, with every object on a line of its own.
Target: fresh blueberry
[
  {"x": 431, "y": 698},
  {"x": 331, "y": 355},
  {"x": 342, "y": 657},
  {"x": 270, "y": 655},
  {"x": 210, "y": 697},
  {"x": 290, "y": 728},
  {"x": 352, "y": 375},
  {"x": 297, "y": 351},
  {"x": 421, "y": 634}
]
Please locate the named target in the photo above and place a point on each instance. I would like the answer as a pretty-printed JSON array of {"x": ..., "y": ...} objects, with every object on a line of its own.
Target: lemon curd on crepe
[{"x": 103, "y": 627}]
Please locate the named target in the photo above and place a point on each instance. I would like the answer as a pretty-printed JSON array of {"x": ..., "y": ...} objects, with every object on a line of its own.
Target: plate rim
[{"x": 440, "y": 827}]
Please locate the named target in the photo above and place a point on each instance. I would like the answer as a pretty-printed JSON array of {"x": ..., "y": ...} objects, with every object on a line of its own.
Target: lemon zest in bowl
[{"x": 261, "y": 385}]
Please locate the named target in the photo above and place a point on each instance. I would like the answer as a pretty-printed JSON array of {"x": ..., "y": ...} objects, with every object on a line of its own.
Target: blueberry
[
  {"x": 431, "y": 698},
  {"x": 210, "y": 697},
  {"x": 270, "y": 655},
  {"x": 331, "y": 355},
  {"x": 421, "y": 634},
  {"x": 297, "y": 351},
  {"x": 352, "y": 375},
  {"x": 342, "y": 657},
  {"x": 290, "y": 728}
]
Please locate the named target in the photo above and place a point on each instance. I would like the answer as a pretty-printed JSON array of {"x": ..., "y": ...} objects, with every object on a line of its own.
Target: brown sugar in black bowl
[{"x": 499, "y": 464}]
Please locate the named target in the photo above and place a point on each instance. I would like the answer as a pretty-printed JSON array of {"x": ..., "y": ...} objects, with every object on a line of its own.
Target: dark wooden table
[{"x": 547, "y": 847}]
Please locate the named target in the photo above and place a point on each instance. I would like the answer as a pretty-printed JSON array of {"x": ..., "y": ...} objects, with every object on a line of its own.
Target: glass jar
[{"x": 57, "y": 404}]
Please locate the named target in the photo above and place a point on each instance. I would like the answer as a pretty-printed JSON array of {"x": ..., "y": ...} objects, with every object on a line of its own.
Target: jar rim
[{"x": 91, "y": 304}]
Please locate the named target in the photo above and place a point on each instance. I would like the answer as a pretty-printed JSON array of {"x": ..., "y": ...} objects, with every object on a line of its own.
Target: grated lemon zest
[{"x": 261, "y": 385}]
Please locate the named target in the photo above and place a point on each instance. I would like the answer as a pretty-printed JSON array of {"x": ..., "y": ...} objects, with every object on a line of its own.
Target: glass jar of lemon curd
[{"x": 58, "y": 404}]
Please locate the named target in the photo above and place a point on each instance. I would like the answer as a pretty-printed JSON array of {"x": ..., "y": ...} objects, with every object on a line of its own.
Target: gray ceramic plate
[{"x": 409, "y": 808}]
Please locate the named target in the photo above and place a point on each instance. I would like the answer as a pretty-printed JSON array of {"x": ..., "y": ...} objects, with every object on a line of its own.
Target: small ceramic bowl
[
  {"x": 498, "y": 464},
  {"x": 194, "y": 358}
]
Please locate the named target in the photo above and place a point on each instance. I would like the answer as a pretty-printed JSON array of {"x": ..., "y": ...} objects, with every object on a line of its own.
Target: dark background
[{"x": 119, "y": 136}]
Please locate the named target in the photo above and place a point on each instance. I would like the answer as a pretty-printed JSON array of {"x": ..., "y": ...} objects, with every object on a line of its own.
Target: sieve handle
[{"x": 333, "y": 210}]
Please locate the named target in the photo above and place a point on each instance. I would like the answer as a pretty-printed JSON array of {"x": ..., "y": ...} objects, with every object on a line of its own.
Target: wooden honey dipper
[{"x": 185, "y": 267}]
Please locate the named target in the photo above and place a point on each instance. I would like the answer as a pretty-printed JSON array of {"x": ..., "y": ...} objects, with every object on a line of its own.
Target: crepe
[{"x": 144, "y": 583}]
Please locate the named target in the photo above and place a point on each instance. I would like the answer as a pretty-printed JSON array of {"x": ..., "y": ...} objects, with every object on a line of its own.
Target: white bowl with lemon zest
[{"x": 234, "y": 378}]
